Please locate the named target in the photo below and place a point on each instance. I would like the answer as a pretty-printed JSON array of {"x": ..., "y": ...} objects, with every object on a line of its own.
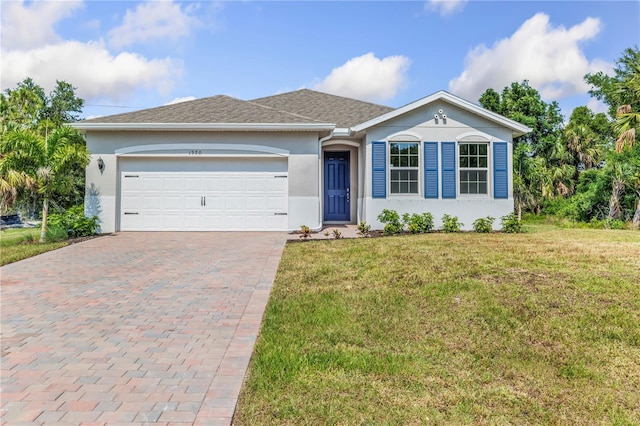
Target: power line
[{"x": 113, "y": 106}]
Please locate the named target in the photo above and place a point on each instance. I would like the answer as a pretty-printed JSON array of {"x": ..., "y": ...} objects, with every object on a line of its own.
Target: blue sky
[{"x": 125, "y": 55}]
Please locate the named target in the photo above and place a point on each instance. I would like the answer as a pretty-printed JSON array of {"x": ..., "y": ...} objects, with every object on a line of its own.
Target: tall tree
[
  {"x": 587, "y": 137},
  {"x": 28, "y": 107},
  {"x": 46, "y": 161},
  {"x": 20, "y": 107},
  {"x": 607, "y": 88},
  {"x": 622, "y": 94},
  {"x": 540, "y": 159}
]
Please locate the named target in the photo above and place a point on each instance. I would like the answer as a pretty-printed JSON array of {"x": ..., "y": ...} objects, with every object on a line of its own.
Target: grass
[
  {"x": 21, "y": 243},
  {"x": 535, "y": 328}
]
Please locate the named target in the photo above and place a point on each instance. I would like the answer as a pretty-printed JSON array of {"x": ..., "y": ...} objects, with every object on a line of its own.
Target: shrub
[
  {"x": 305, "y": 232},
  {"x": 364, "y": 229},
  {"x": 74, "y": 222},
  {"x": 511, "y": 224},
  {"x": 391, "y": 219},
  {"x": 483, "y": 225},
  {"x": 615, "y": 224},
  {"x": 56, "y": 233},
  {"x": 451, "y": 223},
  {"x": 337, "y": 234},
  {"x": 418, "y": 223}
]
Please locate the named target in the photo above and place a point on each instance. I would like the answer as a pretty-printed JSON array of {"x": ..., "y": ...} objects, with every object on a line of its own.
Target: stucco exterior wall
[
  {"x": 102, "y": 194},
  {"x": 421, "y": 125}
]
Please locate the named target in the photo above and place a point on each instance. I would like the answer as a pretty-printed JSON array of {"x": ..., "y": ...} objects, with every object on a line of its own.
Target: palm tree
[
  {"x": 581, "y": 142},
  {"x": 627, "y": 121},
  {"x": 43, "y": 162},
  {"x": 625, "y": 126}
]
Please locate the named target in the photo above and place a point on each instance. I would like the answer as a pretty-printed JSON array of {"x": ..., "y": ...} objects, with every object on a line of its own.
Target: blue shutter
[
  {"x": 500, "y": 170},
  {"x": 431, "y": 170},
  {"x": 448, "y": 169},
  {"x": 379, "y": 169}
]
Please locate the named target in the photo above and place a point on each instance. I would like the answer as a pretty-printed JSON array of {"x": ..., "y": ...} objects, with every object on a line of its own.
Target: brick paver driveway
[{"x": 134, "y": 328}]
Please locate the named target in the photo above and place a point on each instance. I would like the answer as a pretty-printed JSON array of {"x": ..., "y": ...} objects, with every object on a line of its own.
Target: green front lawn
[
  {"x": 21, "y": 243},
  {"x": 535, "y": 328}
]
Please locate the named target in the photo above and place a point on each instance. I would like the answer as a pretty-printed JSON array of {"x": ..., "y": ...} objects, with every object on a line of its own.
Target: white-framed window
[
  {"x": 404, "y": 160},
  {"x": 473, "y": 166}
]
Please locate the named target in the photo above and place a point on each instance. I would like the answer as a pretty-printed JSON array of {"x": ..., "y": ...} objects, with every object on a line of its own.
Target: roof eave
[{"x": 234, "y": 127}]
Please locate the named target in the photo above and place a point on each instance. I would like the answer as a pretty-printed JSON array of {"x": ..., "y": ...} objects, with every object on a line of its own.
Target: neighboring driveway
[{"x": 134, "y": 328}]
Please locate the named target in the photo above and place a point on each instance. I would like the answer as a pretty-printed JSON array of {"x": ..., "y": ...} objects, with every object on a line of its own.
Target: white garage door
[{"x": 203, "y": 201}]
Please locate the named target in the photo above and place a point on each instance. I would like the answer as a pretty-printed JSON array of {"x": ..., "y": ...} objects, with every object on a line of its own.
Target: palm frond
[{"x": 627, "y": 137}]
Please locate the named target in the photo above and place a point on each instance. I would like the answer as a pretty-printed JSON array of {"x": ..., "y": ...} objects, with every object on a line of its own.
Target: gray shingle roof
[
  {"x": 344, "y": 112},
  {"x": 301, "y": 106},
  {"x": 215, "y": 109}
]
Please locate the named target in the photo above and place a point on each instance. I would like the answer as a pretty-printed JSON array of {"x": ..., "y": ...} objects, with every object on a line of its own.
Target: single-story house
[{"x": 297, "y": 158}]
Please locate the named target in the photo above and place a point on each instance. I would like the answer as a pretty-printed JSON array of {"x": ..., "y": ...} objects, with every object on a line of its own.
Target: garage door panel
[
  {"x": 131, "y": 202},
  {"x": 152, "y": 184},
  {"x": 276, "y": 203},
  {"x": 234, "y": 184},
  {"x": 211, "y": 200},
  {"x": 173, "y": 202},
  {"x": 131, "y": 220},
  {"x": 214, "y": 183},
  {"x": 173, "y": 184},
  {"x": 255, "y": 202},
  {"x": 276, "y": 221},
  {"x": 256, "y": 184},
  {"x": 152, "y": 220},
  {"x": 235, "y": 203},
  {"x": 192, "y": 185},
  {"x": 277, "y": 184},
  {"x": 152, "y": 202},
  {"x": 213, "y": 220},
  {"x": 133, "y": 182}
]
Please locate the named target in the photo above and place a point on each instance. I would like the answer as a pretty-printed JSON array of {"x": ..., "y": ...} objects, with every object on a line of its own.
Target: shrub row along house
[{"x": 302, "y": 157}]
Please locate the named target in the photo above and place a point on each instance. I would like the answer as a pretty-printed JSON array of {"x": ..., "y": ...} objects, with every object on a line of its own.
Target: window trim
[
  {"x": 480, "y": 140},
  {"x": 405, "y": 139}
]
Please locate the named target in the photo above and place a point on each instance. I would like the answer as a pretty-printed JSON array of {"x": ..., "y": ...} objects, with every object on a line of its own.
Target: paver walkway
[{"x": 134, "y": 328}]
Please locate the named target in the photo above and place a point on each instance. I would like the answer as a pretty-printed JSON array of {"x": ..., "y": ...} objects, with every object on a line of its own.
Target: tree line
[{"x": 586, "y": 170}]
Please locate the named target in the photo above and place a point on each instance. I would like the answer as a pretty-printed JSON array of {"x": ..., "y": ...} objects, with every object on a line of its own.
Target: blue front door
[{"x": 337, "y": 194}]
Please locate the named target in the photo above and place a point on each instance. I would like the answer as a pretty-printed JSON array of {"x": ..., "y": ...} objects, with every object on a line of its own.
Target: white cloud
[
  {"x": 31, "y": 48},
  {"x": 152, "y": 21},
  {"x": 90, "y": 68},
  {"x": 597, "y": 106},
  {"x": 549, "y": 57},
  {"x": 367, "y": 77},
  {"x": 183, "y": 99},
  {"x": 445, "y": 7},
  {"x": 27, "y": 26}
]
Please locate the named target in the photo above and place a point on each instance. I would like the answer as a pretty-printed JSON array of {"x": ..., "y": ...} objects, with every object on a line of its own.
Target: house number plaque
[{"x": 195, "y": 152}]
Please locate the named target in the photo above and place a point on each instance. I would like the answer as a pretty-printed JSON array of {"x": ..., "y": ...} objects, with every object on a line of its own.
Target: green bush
[
  {"x": 511, "y": 224},
  {"x": 418, "y": 223},
  {"x": 74, "y": 222},
  {"x": 364, "y": 229},
  {"x": 451, "y": 223},
  {"x": 483, "y": 225},
  {"x": 56, "y": 233},
  {"x": 615, "y": 224},
  {"x": 392, "y": 222}
]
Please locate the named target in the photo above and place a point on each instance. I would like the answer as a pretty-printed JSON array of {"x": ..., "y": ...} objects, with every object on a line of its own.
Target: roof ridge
[
  {"x": 325, "y": 94},
  {"x": 293, "y": 114}
]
